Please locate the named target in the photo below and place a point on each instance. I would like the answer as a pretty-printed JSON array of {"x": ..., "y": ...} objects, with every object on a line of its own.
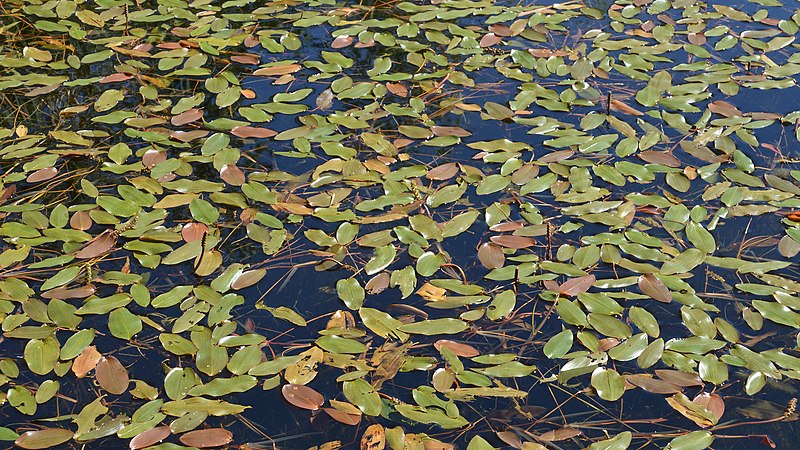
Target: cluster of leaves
[{"x": 143, "y": 208}]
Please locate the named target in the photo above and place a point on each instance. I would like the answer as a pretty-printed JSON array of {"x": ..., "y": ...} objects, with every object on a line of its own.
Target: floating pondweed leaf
[
  {"x": 374, "y": 438},
  {"x": 111, "y": 375},
  {"x": 150, "y": 437},
  {"x": 208, "y": 438},
  {"x": 491, "y": 255},
  {"x": 45, "y": 438},
  {"x": 654, "y": 288},
  {"x": 302, "y": 396},
  {"x": 560, "y": 434}
]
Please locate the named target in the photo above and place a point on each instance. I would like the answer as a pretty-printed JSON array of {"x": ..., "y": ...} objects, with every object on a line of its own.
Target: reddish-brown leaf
[
  {"x": 342, "y": 41},
  {"x": 42, "y": 175},
  {"x": 112, "y": 375},
  {"x": 193, "y": 231},
  {"x": 680, "y": 378},
  {"x": 397, "y": 89},
  {"x": 248, "y": 93},
  {"x": 697, "y": 38},
  {"x": 65, "y": 294},
  {"x": 459, "y": 349},
  {"x": 724, "y": 108},
  {"x": 189, "y": 136},
  {"x": 153, "y": 157},
  {"x": 500, "y": 29},
  {"x": 560, "y": 435},
  {"x": 302, "y": 396},
  {"x": 624, "y": 108},
  {"x": 491, "y": 255},
  {"x": 86, "y": 361},
  {"x": 515, "y": 242},
  {"x": 663, "y": 158},
  {"x": 232, "y": 175},
  {"x": 252, "y": 132},
  {"x": 653, "y": 385},
  {"x": 378, "y": 283},
  {"x": 208, "y": 438},
  {"x": 450, "y": 131},
  {"x": 442, "y": 172},
  {"x": 150, "y": 437},
  {"x": 651, "y": 286},
  {"x": 246, "y": 59},
  {"x": 115, "y": 78},
  {"x": 490, "y": 39},
  {"x": 81, "y": 220},
  {"x": 556, "y": 156},
  {"x": 505, "y": 227},
  {"x": 575, "y": 286},
  {"x": 282, "y": 69},
  {"x": 101, "y": 244},
  {"x": 712, "y": 402},
  {"x": 188, "y": 116}
]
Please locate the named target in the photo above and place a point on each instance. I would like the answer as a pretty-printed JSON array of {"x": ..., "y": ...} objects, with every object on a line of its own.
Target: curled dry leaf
[
  {"x": 515, "y": 242},
  {"x": 208, "y": 438},
  {"x": 193, "y": 231},
  {"x": 45, "y": 438},
  {"x": 101, "y": 244},
  {"x": 458, "y": 349},
  {"x": 86, "y": 361},
  {"x": 42, "y": 175},
  {"x": 232, "y": 175},
  {"x": 150, "y": 437},
  {"x": 651, "y": 286},
  {"x": 491, "y": 255},
  {"x": 188, "y": 116},
  {"x": 342, "y": 41},
  {"x": 302, "y": 396},
  {"x": 112, "y": 375},
  {"x": 624, "y": 108},
  {"x": 374, "y": 438}
]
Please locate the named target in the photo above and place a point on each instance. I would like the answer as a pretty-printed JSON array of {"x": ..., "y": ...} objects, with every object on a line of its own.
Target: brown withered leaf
[
  {"x": 150, "y": 437},
  {"x": 244, "y": 131},
  {"x": 86, "y": 361},
  {"x": 302, "y": 396},
  {"x": 624, "y": 108},
  {"x": 112, "y": 375},
  {"x": 374, "y": 438},
  {"x": 188, "y": 116},
  {"x": 491, "y": 255},
  {"x": 342, "y": 41},
  {"x": 651, "y": 286},
  {"x": 515, "y": 242},
  {"x": 100, "y": 245},
  {"x": 208, "y": 438},
  {"x": 459, "y": 349}
]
